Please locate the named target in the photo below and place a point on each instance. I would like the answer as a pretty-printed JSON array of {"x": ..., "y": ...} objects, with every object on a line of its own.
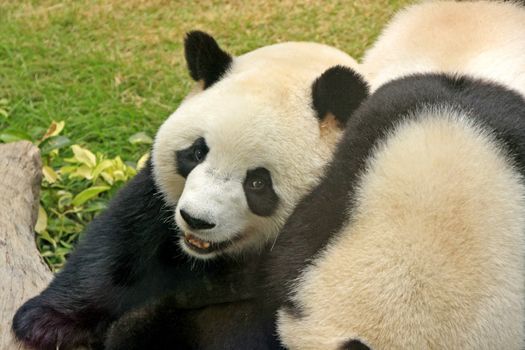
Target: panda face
[
  {"x": 233, "y": 170},
  {"x": 238, "y": 154}
]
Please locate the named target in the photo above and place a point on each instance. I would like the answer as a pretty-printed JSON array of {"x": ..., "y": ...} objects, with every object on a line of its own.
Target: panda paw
[
  {"x": 147, "y": 328},
  {"x": 39, "y": 326},
  {"x": 130, "y": 332}
]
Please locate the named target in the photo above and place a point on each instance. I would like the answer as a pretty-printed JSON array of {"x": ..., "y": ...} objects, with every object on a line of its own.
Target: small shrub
[{"x": 76, "y": 186}]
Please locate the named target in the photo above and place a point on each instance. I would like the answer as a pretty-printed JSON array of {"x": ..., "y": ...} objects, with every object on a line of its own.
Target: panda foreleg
[
  {"x": 94, "y": 287},
  {"x": 235, "y": 325},
  {"x": 72, "y": 311}
]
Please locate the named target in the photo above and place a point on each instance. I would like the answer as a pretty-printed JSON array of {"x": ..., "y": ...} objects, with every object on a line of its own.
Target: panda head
[{"x": 242, "y": 149}]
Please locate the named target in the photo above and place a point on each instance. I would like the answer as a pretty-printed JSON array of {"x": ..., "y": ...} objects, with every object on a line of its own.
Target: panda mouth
[
  {"x": 205, "y": 247},
  {"x": 196, "y": 243}
]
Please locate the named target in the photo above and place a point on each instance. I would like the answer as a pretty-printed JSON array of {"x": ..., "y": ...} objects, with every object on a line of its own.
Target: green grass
[{"x": 113, "y": 68}]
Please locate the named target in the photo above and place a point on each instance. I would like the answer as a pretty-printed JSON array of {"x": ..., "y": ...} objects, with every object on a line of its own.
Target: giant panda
[
  {"x": 414, "y": 238},
  {"x": 226, "y": 170}
]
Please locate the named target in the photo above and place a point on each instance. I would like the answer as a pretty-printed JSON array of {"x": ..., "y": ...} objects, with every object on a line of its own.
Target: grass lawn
[{"x": 113, "y": 68}]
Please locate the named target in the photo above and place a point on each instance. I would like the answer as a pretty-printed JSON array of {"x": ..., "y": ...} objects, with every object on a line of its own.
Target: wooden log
[{"x": 23, "y": 273}]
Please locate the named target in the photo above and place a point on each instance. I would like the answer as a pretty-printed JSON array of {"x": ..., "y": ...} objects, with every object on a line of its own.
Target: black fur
[
  {"x": 206, "y": 60},
  {"x": 262, "y": 202},
  {"x": 354, "y": 345},
  {"x": 129, "y": 257},
  {"x": 338, "y": 91},
  {"x": 185, "y": 158},
  {"x": 323, "y": 212},
  {"x": 160, "y": 326}
]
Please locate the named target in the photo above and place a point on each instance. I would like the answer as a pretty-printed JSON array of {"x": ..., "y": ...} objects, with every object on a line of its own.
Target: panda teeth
[{"x": 197, "y": 242}]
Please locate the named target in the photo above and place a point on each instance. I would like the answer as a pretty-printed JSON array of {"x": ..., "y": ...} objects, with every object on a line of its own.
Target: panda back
[{"x": 429, "y": 252}]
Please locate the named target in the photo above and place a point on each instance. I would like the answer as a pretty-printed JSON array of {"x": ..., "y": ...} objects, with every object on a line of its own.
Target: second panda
[
  {"x": 417, "y": 230},
  {"x": 415, "y": 237}
]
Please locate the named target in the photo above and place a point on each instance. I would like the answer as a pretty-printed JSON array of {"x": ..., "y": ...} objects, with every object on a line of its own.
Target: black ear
[
  {"x": 338, "y": 91},
  {"x": 206, "y": 60}
]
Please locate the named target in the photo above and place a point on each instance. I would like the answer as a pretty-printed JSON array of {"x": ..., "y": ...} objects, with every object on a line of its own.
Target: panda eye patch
[
  {"x": 259, "y": 192},
  {"x": 189, "y": 158}
]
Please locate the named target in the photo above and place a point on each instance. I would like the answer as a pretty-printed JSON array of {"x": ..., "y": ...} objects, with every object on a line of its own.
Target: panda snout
[{"x": 195, "y": 223}]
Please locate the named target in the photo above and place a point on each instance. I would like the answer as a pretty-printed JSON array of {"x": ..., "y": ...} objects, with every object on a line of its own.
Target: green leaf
[
  {"x": 49, "y": 174},
  {"x": 45, "y": 236},
  {"x": 41, "y": 222},
  {"x": 52, "y": 143},
  {"x": 83, "y": 172},
  {"x": 140, "y": 137},
  {"x": 89, "y": 193},
  {"x": 142, "y": 161},
  {"x": 66, "y": 245},
  {"x": 14, "y": 135},
  {"x": 64, "y": 200},
  {"x": 67, "y": 169},
  {"x": 108, "y": 177},
  {"x": 47, "y": 253},
  {"x": 101, "y": 167},
  {"x": 130, "y": 172},
  {"x": 118, "y": 175},
  {"x": 54, "y": 129},
  {"x": 85, "y": 156},
  {"x": 95, "y": 206}
]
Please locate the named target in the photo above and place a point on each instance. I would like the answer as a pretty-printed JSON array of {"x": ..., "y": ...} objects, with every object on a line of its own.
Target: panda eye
[
  {"x": 198, "y": 154},
  {"x": 188, "y": 158},
  {"x": 258, "y": 181},
  {"x": 256, "y": 185}
]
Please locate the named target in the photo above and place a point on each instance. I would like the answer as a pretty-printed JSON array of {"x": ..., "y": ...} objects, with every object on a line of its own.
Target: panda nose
[{"x": 194, "y": 223}]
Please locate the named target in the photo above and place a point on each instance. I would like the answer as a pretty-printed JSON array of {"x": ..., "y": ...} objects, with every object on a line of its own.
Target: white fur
[
  {"x": 257, "y": 115},
  {"x": 485, "y": 39},
  {"x": 433, "y": 256}
]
